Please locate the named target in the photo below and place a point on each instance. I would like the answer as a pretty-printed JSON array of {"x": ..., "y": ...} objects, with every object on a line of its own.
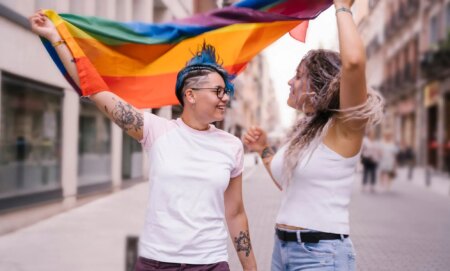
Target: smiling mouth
[{"x": 221, "y": 107}]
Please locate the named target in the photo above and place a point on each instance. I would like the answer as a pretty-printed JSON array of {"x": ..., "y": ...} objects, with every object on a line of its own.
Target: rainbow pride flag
[{"x": 139, "y": 61}]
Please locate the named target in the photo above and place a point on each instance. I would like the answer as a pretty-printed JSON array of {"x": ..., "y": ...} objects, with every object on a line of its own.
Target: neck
[{"x": 194, "y": 123}]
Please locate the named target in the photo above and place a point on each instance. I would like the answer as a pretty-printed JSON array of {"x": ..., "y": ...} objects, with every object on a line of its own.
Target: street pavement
[{"x": 406, "y": 228}]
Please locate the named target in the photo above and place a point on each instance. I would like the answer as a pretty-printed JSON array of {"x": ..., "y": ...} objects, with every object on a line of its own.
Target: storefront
[
  {"x": 30, "y": 141},
  {"x": 431, "y": 99},
  {"x": 132, "y": 158},
  {"x": 447, "y": 133},
  {"x": 94, "y": 149},
  {"x": 406, "y": 110}
]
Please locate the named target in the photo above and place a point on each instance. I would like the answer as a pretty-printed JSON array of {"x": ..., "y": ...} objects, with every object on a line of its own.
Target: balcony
[
  {"x": 400, "y": 83},
  {"x": 435, "y": 64},
  {"x": 401, "y": 17}
]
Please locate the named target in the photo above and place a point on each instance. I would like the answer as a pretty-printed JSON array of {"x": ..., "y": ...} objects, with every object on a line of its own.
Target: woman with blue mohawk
[
  {"x": 189, "y": 201},
  {"x": 195, "y": 169}
]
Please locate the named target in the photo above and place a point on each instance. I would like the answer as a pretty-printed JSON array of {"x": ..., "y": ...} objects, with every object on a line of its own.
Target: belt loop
[
  {"x": 299, "y": 238},
  {"x": 342, "y": 237}
]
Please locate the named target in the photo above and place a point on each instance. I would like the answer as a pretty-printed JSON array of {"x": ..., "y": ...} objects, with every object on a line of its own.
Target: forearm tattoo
[
  {"x": 126, "y": 117},
  {"x": 242, "y": 243},
  {"x": 267, "y": 152}
]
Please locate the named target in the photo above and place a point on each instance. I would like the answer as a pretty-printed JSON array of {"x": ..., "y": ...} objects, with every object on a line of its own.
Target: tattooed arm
[
  {"x": 256, "y": 140},
  {"x": 123, "y": 114},
  {"x": 127, "y": 117},
  {"x": 267, "y": 154},
  {"x": 238, "y": 224}
]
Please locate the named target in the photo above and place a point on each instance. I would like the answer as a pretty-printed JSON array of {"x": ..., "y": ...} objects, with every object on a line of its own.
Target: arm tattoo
[
  {"x": 267, "y": 152},
  {"x": 242, "y": 243},
  {"x": 126, "y": 117}
]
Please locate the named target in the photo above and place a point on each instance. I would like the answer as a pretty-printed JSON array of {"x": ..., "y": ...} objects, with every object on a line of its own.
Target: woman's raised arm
[
  {"x": 129, "y": 118},
  {"x": 353, "y": 89}
]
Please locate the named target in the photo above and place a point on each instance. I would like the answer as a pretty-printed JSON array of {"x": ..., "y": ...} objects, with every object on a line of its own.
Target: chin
[
  {"x": 221, "y": 118},
  {"x": 291, "y": 104}
]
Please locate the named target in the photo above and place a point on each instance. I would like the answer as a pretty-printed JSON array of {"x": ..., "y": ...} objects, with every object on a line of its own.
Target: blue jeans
[{"x": 327, "y": 255}]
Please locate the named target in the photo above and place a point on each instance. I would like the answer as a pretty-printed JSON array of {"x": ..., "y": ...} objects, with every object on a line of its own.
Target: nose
[
  {"x": 291, "y": 82},
  {"x": 226, "y": 97}
]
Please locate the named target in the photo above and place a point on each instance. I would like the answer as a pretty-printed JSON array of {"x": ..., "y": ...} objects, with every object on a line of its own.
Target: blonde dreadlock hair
[{"x": 322, "y": 70}]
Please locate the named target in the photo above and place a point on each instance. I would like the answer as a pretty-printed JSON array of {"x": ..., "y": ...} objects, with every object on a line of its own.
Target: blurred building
[
  {"x": 56, "y": 151},
  {"x": 254, "y": 102},
  {"x": 407, "y": 45}
]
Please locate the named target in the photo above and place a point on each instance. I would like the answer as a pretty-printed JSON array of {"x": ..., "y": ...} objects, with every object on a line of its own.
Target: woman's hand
[
  {"x": 343, "y": 3},
  {"x": 42, "y": 26},
  {"x": 255, "y": 139}
]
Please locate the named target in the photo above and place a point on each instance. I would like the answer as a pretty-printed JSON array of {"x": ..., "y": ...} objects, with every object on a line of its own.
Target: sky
[{"x": 285, "y": 54}]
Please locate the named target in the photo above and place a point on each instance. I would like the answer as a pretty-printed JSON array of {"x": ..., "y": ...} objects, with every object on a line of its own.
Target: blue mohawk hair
[{"x": 205, "y": 59}]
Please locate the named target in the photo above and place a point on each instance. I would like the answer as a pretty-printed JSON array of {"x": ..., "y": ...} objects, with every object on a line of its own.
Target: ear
[{"x": 189, "y": 94}]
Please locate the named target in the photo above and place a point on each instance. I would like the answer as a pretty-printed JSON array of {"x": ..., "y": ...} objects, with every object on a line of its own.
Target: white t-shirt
[
  {"x": 189, "y": 173},
  {"x": 318, "y": 194}
]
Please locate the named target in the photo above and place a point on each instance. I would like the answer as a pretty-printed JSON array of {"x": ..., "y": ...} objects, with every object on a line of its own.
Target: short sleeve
[
  {"x": 239, "y": 162},
  {"x": 154, "y": 127}
]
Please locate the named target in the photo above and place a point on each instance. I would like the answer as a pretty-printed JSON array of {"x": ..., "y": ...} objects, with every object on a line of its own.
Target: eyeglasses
[{"x": 220, "y": 91}]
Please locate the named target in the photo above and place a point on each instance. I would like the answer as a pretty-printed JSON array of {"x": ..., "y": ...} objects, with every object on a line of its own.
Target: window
[
  {"x": 131, "y": 158},
  {"x": 94, "y": 146},
  {"x": 447, "y": 15},
  {"x": 30, "y": 138},
  {"x": 434, "y": 30}
]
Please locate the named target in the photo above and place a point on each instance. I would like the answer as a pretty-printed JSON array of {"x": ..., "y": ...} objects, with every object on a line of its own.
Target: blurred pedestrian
[
  {"x": 315, "y": 169},
  {"x": 406, "y": 158},
  {"x": 388, "y": 165},
  {"x": 447, "y": 156},
  {"x": 21, "y": 154},
  {"x": 370, "y": 156},
  {"x": 195, "y": 169}
]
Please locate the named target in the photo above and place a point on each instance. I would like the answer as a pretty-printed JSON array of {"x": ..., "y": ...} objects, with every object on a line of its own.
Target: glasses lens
[{"x": 220, "y": 92}]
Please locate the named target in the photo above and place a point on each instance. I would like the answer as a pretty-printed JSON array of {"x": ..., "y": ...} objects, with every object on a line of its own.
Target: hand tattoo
[
  {"x": 126, "y": 117},
  {"x": 242, "y": 243},
  {"x": 267, "y": 152}
]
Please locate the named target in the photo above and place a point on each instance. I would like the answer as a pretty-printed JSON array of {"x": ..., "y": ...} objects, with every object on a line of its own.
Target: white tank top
[{"x": 318, "y": 195}]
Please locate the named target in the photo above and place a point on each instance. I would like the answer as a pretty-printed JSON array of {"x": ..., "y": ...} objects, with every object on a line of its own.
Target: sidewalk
[
  {"x": 405, "y": 229},
  {"x": 438, "y": 182},
  {"x": 91, "y": 237}
]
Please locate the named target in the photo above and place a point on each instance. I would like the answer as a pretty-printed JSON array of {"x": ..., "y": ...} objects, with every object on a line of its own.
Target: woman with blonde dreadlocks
[{"x": 315, "y": 168}]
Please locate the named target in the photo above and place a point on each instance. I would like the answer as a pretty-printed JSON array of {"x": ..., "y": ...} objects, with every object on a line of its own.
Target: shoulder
[
  {"x": 230, "y": 142},
  {"x": 228, "y": 137}
]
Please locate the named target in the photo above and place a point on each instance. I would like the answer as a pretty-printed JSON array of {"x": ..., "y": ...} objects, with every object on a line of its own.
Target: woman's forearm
[
  {"x": 353, "y": 89},
  {"x": 266, "y": 155},
  {"x": 239, "y": 233},
  {"x": 66, "y": 56},
  {"x": 351, "y": 46}
]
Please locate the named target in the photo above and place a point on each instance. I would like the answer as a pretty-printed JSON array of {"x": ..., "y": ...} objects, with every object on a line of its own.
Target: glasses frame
[{"x": 217, "y": 90}]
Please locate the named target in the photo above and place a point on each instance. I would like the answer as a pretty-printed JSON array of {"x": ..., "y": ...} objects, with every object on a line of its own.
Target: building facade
[{"x": 408, "y": 61}]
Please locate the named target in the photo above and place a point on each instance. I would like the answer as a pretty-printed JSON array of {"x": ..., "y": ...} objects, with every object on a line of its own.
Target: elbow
[
  {"x": 233, "y": 214},
  {"x": 356, "y": 63}
]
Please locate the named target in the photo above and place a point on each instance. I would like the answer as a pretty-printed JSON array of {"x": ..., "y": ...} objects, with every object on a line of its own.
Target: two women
[
  {"x": 315, "y": 168},
  {"x": 195, "y": 168}
]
